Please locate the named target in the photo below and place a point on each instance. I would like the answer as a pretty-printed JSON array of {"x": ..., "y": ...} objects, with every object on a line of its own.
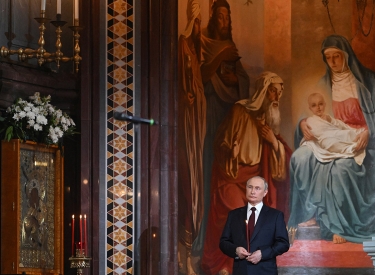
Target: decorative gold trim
[{"x": 11, "y": 208}]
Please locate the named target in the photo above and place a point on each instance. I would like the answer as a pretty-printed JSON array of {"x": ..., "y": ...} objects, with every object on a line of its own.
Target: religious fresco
[{"x": 320, "y": 53}]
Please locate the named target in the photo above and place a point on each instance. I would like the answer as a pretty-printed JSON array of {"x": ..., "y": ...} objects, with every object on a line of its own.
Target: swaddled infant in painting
[{"x": 333, "y": 138}]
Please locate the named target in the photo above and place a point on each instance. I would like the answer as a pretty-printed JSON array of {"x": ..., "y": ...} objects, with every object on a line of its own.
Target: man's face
[
  {"x": 274, "y": 93},
  {"x": 271, "y": 107},
  {"x": 222, "y": 26},
  {"x": 255, "y": 191},
  {"x": 196, "y": 33},
  {"x": 317, "y": 105}
]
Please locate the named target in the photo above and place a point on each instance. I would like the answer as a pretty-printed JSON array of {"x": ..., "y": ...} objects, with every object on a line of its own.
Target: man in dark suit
[{"x": 268, "y": 239}]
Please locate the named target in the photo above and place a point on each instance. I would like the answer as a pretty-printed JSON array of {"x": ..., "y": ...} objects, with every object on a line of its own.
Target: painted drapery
[{"x": 300, "y": 79}]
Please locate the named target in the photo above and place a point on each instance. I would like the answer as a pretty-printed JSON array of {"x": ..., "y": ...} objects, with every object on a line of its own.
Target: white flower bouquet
[{"x": 36, "y": 120}]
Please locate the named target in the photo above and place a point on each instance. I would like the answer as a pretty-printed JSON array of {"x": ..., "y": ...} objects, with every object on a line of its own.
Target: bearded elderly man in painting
[{"x": 247, "y": 144}]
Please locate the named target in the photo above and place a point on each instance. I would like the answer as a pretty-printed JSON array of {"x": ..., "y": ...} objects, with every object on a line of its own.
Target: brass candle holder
[
  {"x": 80, "y": 261},
  {"x": 41, "y": 54},
  {"x": 59, "y": 56},
  {"x": 76, "y": 58}
]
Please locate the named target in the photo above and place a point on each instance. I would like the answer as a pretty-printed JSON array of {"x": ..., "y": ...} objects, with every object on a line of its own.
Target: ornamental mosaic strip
[{"x": 119, "y": 138}]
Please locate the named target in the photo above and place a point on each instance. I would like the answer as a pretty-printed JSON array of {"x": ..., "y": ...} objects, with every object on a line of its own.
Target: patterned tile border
[{"x": 119, "y": 178}]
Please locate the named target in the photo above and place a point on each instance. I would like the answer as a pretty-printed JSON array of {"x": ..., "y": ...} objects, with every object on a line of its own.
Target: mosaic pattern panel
[{"x": 119, "y": 137}]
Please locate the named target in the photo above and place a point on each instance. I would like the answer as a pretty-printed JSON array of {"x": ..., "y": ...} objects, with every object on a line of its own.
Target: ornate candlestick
[
  {"x": 58, "y": 24},
  {"x": 80, "y": 261},
  {"x": 24, "y": 54},
  {"x": 41, "y": 54},
  {"x": 41, "y": 42},
  {"x": 76, "y": 58}
]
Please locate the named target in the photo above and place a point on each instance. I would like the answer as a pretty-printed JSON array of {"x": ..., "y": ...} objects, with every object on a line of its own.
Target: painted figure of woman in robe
[{"x": 339, "y": 196}]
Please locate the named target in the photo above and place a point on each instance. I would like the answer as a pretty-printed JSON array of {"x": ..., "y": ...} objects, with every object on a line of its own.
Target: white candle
[
  {"x": 58, "y": 7},
  {"x": 76, "y": 10},
  {"x": 43, "y": 5}
]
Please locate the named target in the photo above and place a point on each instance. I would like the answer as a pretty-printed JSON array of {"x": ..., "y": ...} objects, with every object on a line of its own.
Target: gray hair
[{"x": 259, "y": 177}]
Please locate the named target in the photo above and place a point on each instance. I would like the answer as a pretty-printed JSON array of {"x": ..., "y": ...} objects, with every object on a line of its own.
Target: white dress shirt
[{"x": 258, "y": 207}]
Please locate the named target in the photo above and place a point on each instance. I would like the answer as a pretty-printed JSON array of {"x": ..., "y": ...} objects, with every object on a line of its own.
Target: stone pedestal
[{"x": 369, "y": 248}]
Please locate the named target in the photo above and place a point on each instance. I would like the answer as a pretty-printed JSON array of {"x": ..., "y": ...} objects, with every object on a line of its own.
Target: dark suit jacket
[{"x": 270, "y": 237}]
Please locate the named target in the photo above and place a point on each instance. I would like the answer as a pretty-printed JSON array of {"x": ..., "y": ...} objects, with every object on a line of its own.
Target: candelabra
[
  {"x": 80, "y": 261},
  {"x": 41, "y": 54}
]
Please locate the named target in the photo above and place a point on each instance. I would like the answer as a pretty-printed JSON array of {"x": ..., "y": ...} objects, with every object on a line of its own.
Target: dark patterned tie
[{"x": 251, "y": 222}]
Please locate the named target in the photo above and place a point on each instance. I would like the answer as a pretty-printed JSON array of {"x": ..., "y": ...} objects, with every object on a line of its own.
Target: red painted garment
[{"x": 350, "y": 112}]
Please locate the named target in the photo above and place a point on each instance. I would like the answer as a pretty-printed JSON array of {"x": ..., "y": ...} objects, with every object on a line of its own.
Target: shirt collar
[{"x": 258, "y": 207}]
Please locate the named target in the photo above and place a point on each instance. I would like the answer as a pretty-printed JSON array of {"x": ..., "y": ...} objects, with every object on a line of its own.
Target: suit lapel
[{"x": 261, "y": 220}]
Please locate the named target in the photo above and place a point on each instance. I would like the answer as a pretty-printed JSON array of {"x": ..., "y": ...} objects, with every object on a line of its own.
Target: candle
[
  {"x": 85, "y": 236},
  {"x": 80, "y": 231},
  {"x": 247, "y": 236},
  {"x": 73, "y": 235},
  {"x": 58, "y": 7},
  {"x": 76, "y": 10},
  {"x": 43, "y": 5}
]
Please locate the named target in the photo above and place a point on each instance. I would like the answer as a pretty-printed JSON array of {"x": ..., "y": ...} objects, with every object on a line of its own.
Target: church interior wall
[{"x": 281, "y": 36}]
